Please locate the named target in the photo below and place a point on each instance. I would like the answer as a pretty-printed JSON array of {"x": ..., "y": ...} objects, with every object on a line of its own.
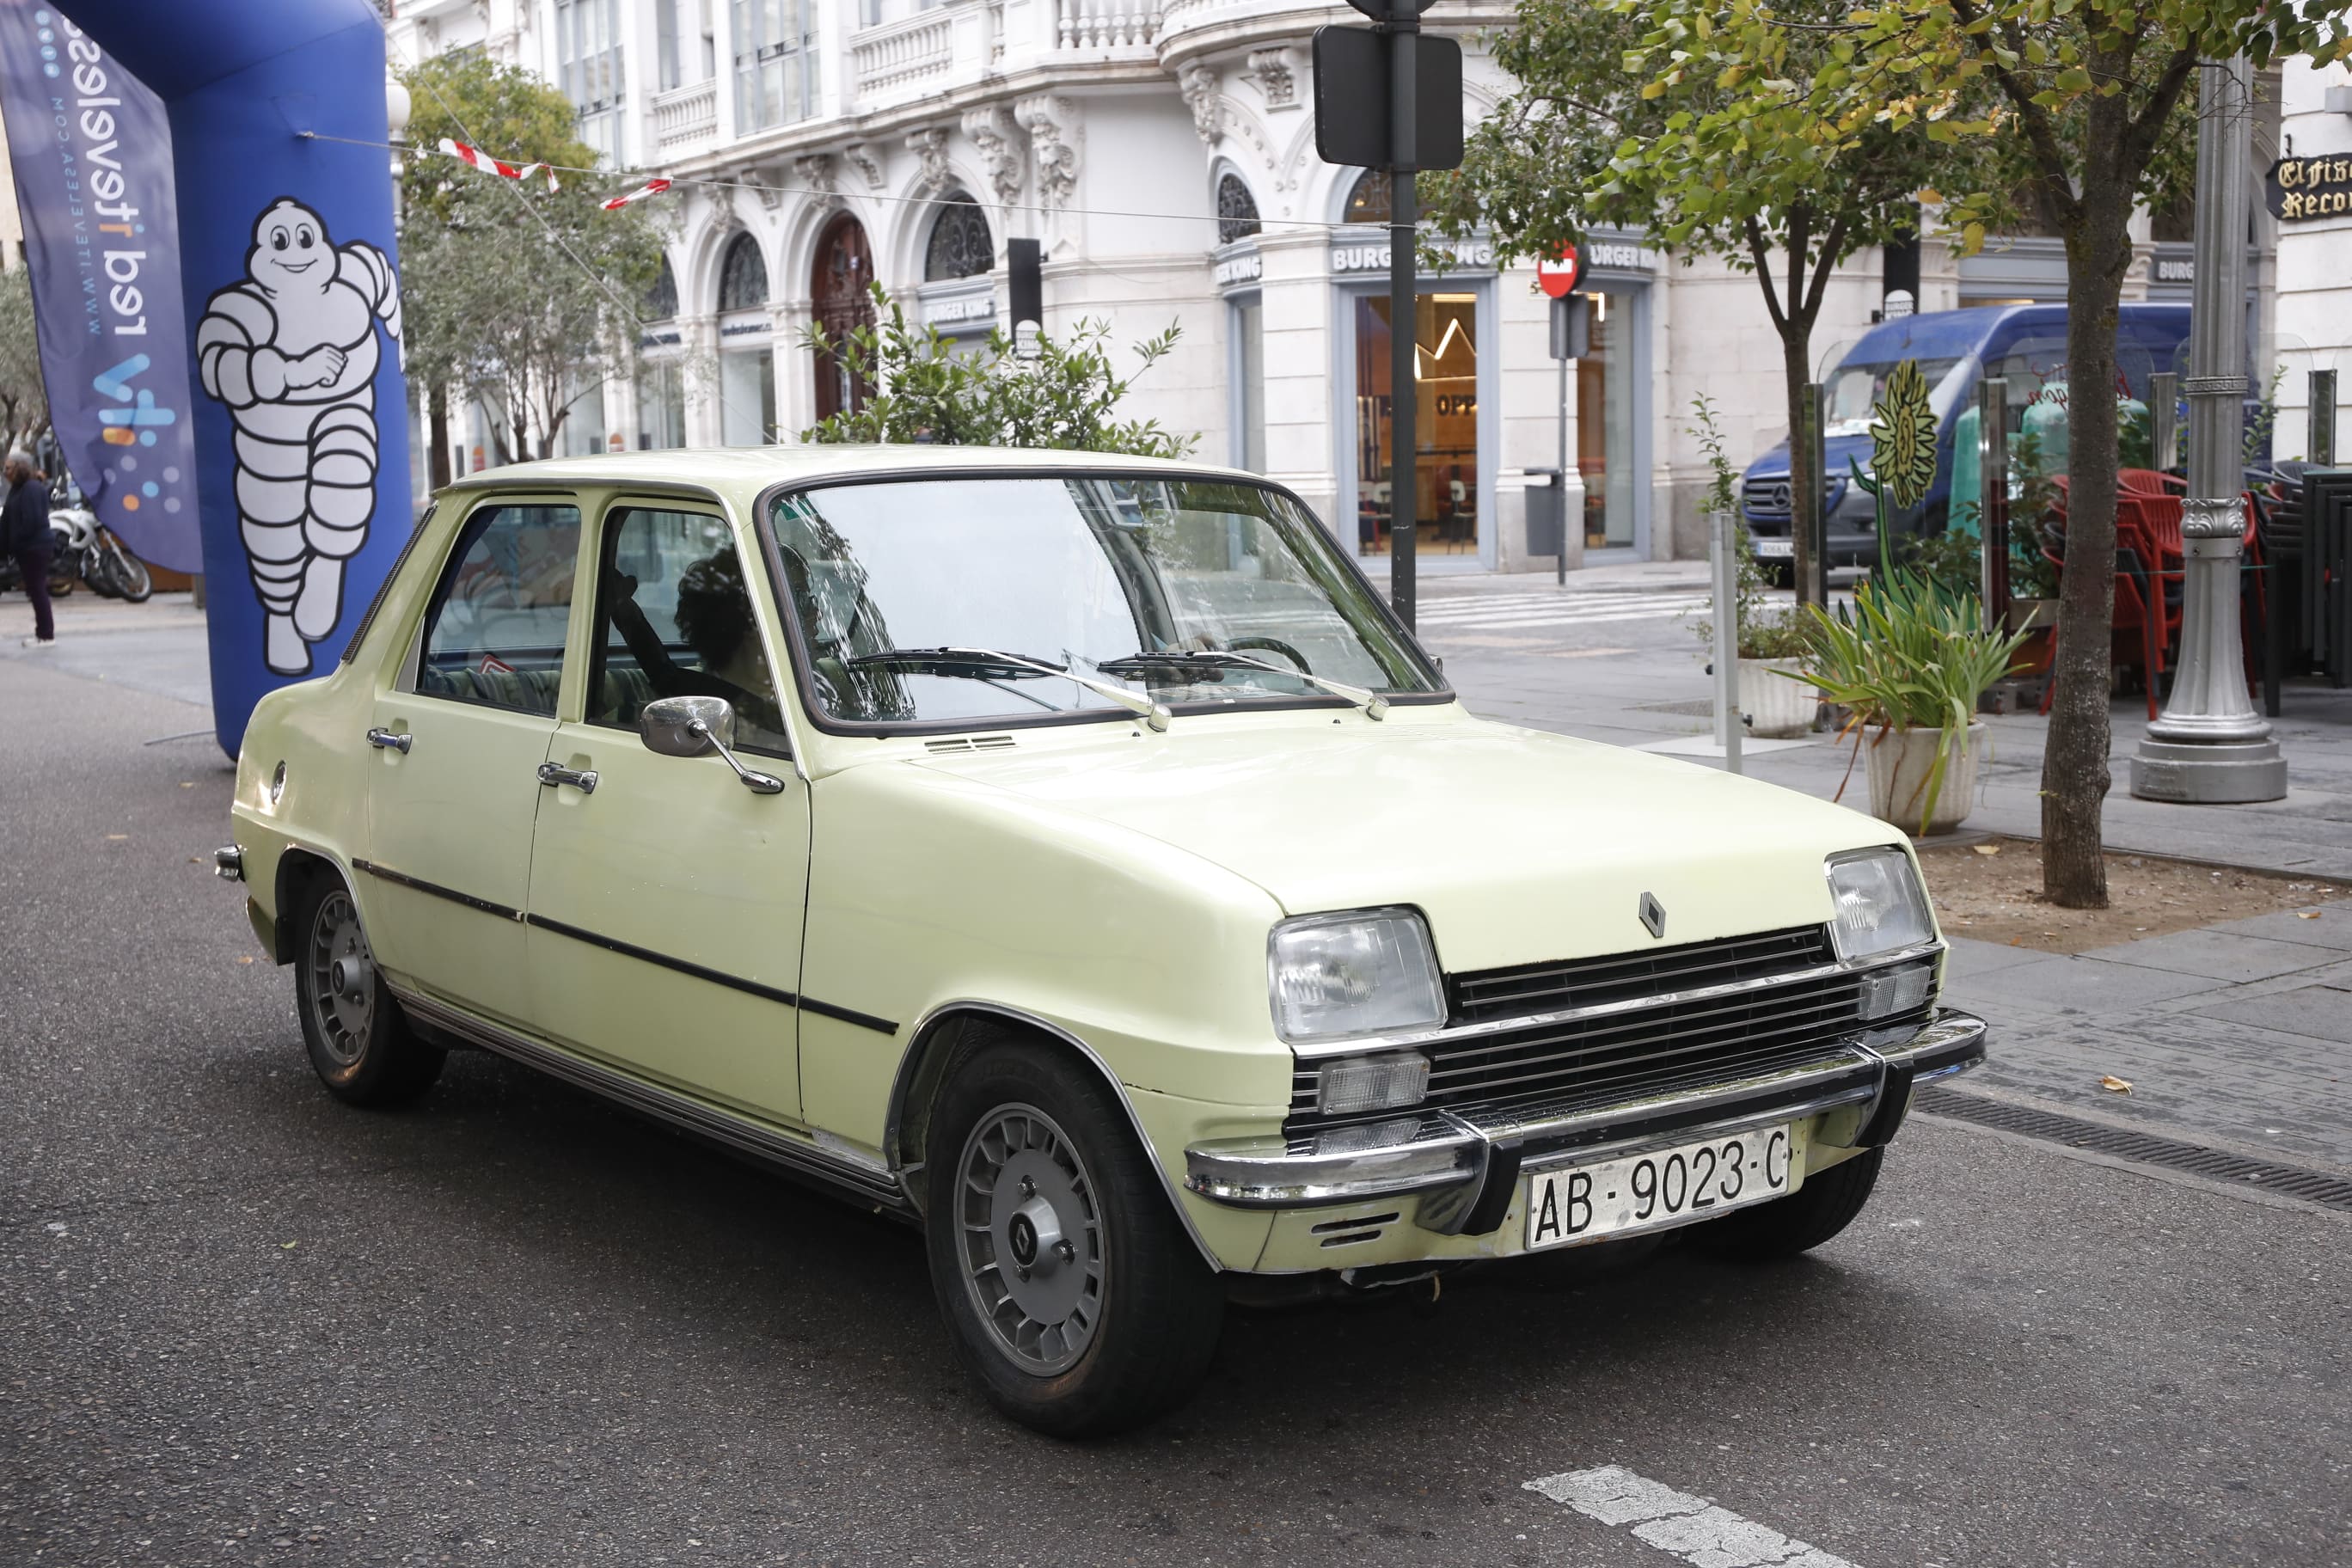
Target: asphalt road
[{"x": 513, "y": 1325}]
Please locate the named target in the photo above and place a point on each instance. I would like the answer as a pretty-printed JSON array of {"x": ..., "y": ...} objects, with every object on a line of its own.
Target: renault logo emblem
[{"x": 1653, "y": 914}]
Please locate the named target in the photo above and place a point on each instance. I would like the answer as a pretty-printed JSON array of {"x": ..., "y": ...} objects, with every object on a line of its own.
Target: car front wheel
[
  {"x": 361, "y": 1044},
  {"x": 1077, "y": 1299},
  {"x": 1807, "y": 1217}
]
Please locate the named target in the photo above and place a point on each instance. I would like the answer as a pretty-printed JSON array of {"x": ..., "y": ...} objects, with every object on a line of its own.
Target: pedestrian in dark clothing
[{"x": 25, "y": 534}]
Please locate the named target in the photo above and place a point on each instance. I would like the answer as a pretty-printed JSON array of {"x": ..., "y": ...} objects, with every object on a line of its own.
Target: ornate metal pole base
[{"x": 2211, "y": 748}]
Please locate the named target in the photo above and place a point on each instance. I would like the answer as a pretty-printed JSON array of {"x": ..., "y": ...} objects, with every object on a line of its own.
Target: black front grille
[
  {"x": 1669, "y": 1045},
  {"x": 1531, "y": 988},
  {"x": 1766, "y": 498}
]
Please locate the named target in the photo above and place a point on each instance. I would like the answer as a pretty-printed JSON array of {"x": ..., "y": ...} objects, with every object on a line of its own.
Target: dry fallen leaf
[
  {"x": 116, "y": 838},
  {"x": 1988, "y": 848},
  {"x": 244, "y": 958},
  {"x": 2306, "y": 914},
  {"x": 2115, "y": 1085}
]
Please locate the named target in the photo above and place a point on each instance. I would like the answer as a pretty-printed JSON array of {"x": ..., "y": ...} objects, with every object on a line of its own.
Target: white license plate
[
  {"x": 1768, "y": 549},
  {"x": 1663, "y": 1187}
]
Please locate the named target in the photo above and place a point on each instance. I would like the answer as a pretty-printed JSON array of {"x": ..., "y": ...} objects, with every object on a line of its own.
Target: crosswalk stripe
[
  {"x": 1556, "y": 619},
  {"x": 1690, "y": 1527},
  {"x": 1558, "y": 607}
]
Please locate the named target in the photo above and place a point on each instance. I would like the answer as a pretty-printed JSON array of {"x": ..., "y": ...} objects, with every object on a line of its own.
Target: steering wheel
[{"x": 1273, "y": 644}]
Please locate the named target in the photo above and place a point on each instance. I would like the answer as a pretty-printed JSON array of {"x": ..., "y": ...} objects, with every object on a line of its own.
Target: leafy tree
[
  {"x": 517, "y": 294},
  {"x": 1585, "y": 141},
  {"x": 2081, "y": 98},
  {"x": 925, "y": 389},
  {"x": 24, "y": 395}
]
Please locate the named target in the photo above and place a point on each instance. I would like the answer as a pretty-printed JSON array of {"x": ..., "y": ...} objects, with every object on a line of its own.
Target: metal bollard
[{"x": 1722, "y": 552}]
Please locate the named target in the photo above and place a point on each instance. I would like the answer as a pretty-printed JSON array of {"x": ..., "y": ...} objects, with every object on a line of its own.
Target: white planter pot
[
  {"x": 1777, "y": 707},
  {"x": 1901, "y": 761}
]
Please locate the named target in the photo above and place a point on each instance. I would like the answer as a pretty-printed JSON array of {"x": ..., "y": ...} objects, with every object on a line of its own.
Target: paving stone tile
[
  {"x": 2321, "y": 1012},
  {"x": 2332, "y": 928},
  {"x": 2219, "y": 954},
  {"x": 2085, "y": 985},
  {"x": 1971, "y": 959}
]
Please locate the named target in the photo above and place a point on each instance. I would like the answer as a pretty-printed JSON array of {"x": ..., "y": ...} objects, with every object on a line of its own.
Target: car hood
[{"x": 1517, "y": 845}]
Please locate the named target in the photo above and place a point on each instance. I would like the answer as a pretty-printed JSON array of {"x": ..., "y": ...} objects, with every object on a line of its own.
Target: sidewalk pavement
[{"x": 2238, "y": 1036}]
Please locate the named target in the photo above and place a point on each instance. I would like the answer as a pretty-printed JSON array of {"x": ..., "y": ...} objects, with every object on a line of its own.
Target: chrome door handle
[
  {"x": 553, "y": 775},
  {"x": 397, "y": 741}
]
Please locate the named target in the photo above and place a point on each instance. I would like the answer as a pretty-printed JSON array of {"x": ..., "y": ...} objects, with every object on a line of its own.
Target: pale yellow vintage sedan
[{"x": 1074, "y": 855}]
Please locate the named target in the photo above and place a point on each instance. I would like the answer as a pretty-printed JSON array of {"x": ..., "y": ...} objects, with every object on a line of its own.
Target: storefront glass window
[
  {"x": 1604, "y": 426},
  {"x": 1249, "y": 382},
  {"x": 1445, "y": 423},
  {"x": 661, "y": 406},
  {"x": 747, "y": 398}
]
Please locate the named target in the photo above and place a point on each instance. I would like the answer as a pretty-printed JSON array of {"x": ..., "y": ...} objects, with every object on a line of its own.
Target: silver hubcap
[
  {"x": 1032, "y": 1238},
  {"x": 343, "y": 979}
]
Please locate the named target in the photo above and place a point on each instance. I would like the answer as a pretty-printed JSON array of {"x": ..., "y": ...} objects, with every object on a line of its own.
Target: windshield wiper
[
  {"x": 982, "y": 662},
  {"x": 1374, "y": 705}
]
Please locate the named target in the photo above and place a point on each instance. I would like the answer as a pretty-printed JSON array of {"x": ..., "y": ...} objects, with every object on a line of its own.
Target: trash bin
[{"x": 1546, "y": 512}]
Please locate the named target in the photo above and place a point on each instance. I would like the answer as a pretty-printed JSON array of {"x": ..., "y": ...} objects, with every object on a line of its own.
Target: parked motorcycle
[{"x": 83, "y": 550}]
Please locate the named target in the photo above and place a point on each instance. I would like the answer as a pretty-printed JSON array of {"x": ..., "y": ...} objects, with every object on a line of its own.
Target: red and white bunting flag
[
  {"x": 490, "y": 165},
  {"x": 650, "y": 188}
]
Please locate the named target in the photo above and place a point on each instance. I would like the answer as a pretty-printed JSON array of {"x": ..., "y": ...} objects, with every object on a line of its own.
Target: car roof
[
  {"x": 1972, "y": 328},
  {"x": 741, "y": 473}
]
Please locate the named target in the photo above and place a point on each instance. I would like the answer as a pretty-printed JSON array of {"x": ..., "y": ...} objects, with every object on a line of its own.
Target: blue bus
[{"x": 2024, "y": 344}]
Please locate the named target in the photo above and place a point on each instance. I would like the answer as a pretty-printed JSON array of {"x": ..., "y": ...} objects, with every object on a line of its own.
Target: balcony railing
[
  {"x": 903, "y": 59},
  {"x": 1105, "y": 24},
  {"x": 686, "y": 118}
]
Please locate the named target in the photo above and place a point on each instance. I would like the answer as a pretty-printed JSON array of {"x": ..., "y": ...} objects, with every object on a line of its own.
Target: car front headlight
[
  {"x": 1343, "y": 977},
  {"x": 1881, "y": 907}
]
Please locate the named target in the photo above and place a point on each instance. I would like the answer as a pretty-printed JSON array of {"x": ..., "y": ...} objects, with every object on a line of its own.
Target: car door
[
  {"x": 667, "y": 899},
  {"x": 458, "y": 743}
]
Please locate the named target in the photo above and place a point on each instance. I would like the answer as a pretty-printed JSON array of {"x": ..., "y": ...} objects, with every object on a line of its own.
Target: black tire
[
  {"x": 1807, "y": 1217},
  {"x": 361, "y": 1044},
  {"x": 132, "y": 576},
  {"x": 1018, "y": 1125},
  {"x": 97, "y": 570}
]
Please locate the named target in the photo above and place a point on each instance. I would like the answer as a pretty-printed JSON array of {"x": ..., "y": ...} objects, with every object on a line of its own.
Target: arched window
[
  {"x": 1369, "y": 202},
  {"x": 661, "y": 300},
  {"x": 961, "y": 245},
  {"x": 838, "y": 285},
  {"x": 1236, "y": 209},
  {"x": 742, "y": 276}
]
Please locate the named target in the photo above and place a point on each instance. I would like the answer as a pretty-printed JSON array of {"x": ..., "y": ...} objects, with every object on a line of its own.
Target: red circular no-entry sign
[{"x": 1558, "y": 275}]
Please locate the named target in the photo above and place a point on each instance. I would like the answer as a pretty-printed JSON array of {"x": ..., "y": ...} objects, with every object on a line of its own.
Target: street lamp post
[{"x": 2211, "y": 746}]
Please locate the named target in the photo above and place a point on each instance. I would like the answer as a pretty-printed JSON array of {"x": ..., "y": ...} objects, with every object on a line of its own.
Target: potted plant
[
  {"x": 1771, "y": 639},
  {"x": 1908, "y": 661},
  {"x": 1911, "y": 656}
]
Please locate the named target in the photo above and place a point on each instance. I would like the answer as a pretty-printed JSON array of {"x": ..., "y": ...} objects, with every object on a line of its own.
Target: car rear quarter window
[{"x": 493, "y": 633}]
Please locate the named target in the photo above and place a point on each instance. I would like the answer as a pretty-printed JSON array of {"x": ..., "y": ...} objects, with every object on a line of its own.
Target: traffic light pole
[{"x": 1403, "y": 27}]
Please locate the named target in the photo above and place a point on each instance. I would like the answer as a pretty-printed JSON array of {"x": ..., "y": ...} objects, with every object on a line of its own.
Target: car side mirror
[{"x": 690, "y": 726}]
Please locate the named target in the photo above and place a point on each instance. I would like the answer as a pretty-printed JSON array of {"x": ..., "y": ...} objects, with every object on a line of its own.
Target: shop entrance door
[
  {"x": 1605, "y": 425},
  {"x": 1446, "y": 424}
]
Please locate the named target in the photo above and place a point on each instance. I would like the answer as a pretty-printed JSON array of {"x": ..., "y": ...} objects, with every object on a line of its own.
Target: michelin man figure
[{"x": 292, "y": 349}]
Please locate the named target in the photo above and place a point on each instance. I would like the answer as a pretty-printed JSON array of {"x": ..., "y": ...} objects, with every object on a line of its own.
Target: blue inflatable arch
[{"x": 288, "y": 271}]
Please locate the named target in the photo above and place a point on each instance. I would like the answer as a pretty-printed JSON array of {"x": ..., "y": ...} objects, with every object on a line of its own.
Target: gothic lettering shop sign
[{"x": 2311, "y": 187}]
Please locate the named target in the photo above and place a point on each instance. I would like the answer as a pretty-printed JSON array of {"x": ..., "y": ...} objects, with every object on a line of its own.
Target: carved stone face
[{"x": 290, "y": 251}]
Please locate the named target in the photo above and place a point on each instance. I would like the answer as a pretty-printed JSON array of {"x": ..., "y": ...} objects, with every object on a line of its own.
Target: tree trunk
[
  {"x": 1796, "y": 371},
  {"x": 2075, "y": 777},
  {"x": 437, "y": 404}
]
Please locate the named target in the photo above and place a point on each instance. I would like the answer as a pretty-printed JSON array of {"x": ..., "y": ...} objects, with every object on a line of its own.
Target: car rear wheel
[
  {"x": 361, "y": 1044},
  {"x": 1076, "y": 1300},
  {"x": 1807, "y": 1217}
]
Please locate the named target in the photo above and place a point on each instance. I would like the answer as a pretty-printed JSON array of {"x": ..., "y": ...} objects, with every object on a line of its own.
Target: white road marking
[
  {"x": 1561, "y": 612},
  {"x": 1691, "y": 1527}
]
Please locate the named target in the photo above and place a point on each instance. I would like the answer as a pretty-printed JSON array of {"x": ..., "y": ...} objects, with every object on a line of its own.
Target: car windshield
[
  {"x": 1854, "y": 391},
  {"x": 937, "y": 600}
]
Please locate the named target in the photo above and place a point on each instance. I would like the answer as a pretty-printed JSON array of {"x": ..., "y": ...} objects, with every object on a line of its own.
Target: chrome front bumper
[{"x": 1469, "y": 1162}]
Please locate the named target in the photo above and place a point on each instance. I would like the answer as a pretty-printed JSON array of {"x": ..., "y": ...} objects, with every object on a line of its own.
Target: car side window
[
  {"x": 494, "y": 632},
  {"x": 674, "y": 618}
]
